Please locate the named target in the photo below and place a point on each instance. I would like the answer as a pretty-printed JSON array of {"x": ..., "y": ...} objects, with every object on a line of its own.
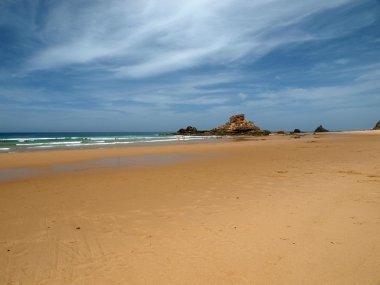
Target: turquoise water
[{"x": 15, "y": 142}]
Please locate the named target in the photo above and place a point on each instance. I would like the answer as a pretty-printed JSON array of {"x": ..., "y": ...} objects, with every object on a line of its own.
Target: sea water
[{"x": 15, "y": 142}]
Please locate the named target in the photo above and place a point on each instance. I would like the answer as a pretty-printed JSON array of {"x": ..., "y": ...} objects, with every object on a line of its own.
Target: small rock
[{"x": 320, "y": 129}]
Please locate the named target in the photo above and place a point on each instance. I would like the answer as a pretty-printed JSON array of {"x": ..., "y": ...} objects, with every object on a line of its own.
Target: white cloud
[
  {"x": 370, "y": 75},
  {"x": 324, "y": 97},
  {"x": 243, "y": 96},
  {"x": 107, "y": 43},
  {"x": 149, "y": 37}
]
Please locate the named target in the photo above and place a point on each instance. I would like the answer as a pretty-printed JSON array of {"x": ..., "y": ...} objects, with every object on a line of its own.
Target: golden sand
[{"x": 280, "y": 211}]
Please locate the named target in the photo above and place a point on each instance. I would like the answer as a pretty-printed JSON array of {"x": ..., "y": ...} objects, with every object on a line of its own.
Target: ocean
[{"x": 16, "y": 142}]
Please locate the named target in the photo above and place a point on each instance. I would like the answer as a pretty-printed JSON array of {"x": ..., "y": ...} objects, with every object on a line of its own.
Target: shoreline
[
  {"x": 55, "y": 141},
  {"x": 35, "y": 142},
  {"x": 49, "y": 157},
  {"x": 275, "y": 211},
  {"x": 33, "y": 164},
  {"x": 58, "y": 156}
]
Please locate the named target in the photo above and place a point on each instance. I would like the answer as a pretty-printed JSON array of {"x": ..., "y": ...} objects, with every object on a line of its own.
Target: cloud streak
[
  {"x": 150, "y": 38},
  {"x": 168, "y": 63}
]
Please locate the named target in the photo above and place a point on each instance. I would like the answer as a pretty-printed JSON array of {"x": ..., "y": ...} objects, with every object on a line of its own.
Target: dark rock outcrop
[
  {"x": 237, "y": 125},
  {"x": 320, "y": 129},
  {"x": 188, "y": 131},
  {"x": 297, "y": 131},
  {"x": 377, "y": 126},
  {"x": 191, "y": 131}
]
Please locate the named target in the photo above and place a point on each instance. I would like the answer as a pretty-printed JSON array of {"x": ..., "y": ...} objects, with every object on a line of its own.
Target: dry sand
[{"x": 293, "y": 211}]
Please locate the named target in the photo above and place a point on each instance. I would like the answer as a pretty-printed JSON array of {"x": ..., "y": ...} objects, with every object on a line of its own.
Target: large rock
[
  {"x": 320, "y": 129},
  {"x": 377, "y": 126},
  {"x": 188, "y": 131},
  {"x": 238, "y": 125}
]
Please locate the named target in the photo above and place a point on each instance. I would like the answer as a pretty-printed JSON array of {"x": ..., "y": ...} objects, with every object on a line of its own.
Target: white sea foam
[
  {"x": 69, "y": 142},
  {"x": 112, "y": 137},
  {"x": 120, "y": 138},
  {"x": 41, "y": 146},
  {"x": 95, "y": 142},
  {"x": 32, "y": 139},
  {"x": 132, "y": 142},
  {"x": 50, "y": 143},
  {"x": 164, "y": 140},
  {"x": 28, "y": 144}
]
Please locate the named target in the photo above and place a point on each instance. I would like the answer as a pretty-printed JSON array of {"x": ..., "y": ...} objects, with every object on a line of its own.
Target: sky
[{"x": 150, "y": 65}]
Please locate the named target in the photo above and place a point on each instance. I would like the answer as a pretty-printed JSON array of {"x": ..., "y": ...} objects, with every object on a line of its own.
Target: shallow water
[
  {"x": 101, "y": 163},
  {"x": 18, "y": 142}
]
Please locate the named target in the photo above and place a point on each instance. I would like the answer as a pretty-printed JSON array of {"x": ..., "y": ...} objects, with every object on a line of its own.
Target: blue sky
[{"x": 120, "y": 65}]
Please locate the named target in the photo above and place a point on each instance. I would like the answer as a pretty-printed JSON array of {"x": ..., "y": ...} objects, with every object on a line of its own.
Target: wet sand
[{"x": 279, "y": 211}]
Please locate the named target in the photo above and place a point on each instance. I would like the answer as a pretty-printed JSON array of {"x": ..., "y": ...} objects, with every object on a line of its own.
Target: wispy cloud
[
  {"x": 146, "y": 38},
  {"x": 324, "y": 97},
  {"x": 170, "y": 63}
]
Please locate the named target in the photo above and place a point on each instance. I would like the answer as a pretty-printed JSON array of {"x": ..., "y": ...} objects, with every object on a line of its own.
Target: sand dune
[{"x": 280, "y": 211}]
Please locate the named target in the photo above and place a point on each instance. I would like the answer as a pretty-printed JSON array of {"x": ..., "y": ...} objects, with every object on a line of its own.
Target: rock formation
[
  {"x": 297, "y": 131},
  {"x": 320, "y": 129},
  {"x": 377, "y": 126},
  {"x": 188, "y": 131},
  {"x": 237, "y": 125}
]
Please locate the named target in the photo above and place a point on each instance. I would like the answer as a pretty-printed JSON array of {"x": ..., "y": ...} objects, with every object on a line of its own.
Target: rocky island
[{"x": 236, "y": 126}]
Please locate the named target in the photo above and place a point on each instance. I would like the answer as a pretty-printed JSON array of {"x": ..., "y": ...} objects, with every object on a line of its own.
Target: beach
[{"x": 265, "y": 210}]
